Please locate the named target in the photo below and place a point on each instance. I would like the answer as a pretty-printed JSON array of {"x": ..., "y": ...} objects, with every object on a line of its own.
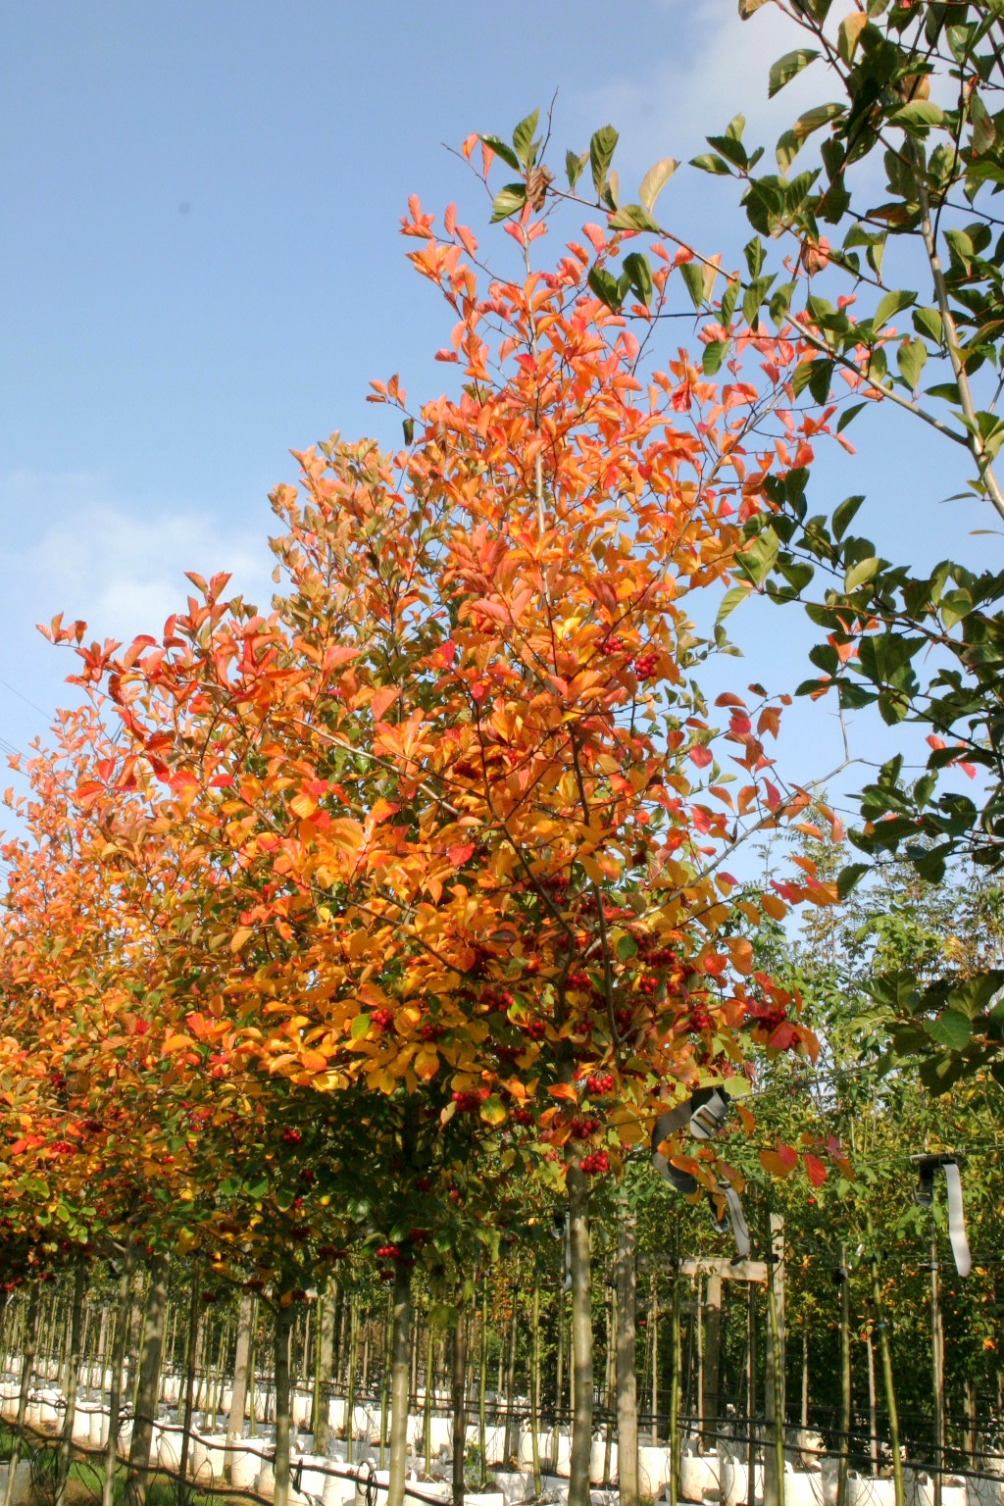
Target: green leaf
[
  {"x": 500, "y": 149},
  {"x": 493, "y": 1111},
  {"x": 710, "y": 162},
  {"x": 522, "y": 139},
  {"x": 360, "y": 1025},
  {"x": 918, "y": 115},
  {"x": 859, "y": 574},
  {"x": 737, "y": 1087},
  {"x": 626, "y": 948},
  {"x": 633, "y": 217},
  {"x": 757, "y": 561},
  {"x": 950, "y": 1029},
  {"x": 844, "y": 514},
  {"x": 655, "y": 181},
  {"x": 947, "y": 391},
  {"x": 790, "y": 66},
  {"x": 640, "y": 274},
  {"x": 890, "y": 305},
  {"x": 849, "y": 33},
  {"x": 849, "y": 415},
  {"x": 606, "y": 287},
  {"x": 733, "y": 598},
  {"x": 508, "y": 200},
  {"x": 714, "y": 355},
  {"x": 849, "y": 878},
  {"x": 408, "y": 425},
  {"x": 601, "y": 153},
  {"x": 693, "y": 275},
  {"x": 790, "y": 144},
  {"x": 573, "y": 167},
  {"x": 911, "y": 359}
]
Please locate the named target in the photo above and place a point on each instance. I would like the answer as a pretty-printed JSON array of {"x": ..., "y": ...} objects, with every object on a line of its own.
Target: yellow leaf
[
  {"x": 240, "y": 937},
  {"x": 775, "y": 907},
  {"x": 492, "y": 1111},
  {"x": 177, "y": 1043}
]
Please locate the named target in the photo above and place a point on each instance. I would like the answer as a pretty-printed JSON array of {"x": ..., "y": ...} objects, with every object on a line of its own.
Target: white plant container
[
  {"x": 515, "y": 1486},
  {"x": 653, "y": 1469},
  {"x": 245, "y": 1464},
  {"x": 560, "y": 1453},
  {"x": 700, "y": 1474},
  {"x": 300, "y": 1408},
  {"x": 98, "y": 1428},
  {"x": 597, "y": 1459},
  {"x": 985, "y": 1490},
  {"x": 734, "y": 1476},
  {"x": 803, "y": 1487},
  {"x": 482, "y": 1498},
  {"x": 169, "y": 1448}
]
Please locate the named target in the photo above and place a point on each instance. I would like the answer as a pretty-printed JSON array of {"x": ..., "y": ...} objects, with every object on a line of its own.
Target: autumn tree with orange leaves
[{"x": 450, "y": 825}]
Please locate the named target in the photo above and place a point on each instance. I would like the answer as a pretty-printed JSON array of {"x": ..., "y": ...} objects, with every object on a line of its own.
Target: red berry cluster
[
  {"x": 579, "y": 980},
  {"x": 647, "y": 983},
  {"x": 291, "y": 1136},
  {"x": 700, "y": 1020},
  {"x": 388, "y": 1252},
  {"x": 614, "y": 645},
  {"x": 521, "y": 1116},
  {"x": 432, "y": 1032},
  {"x": 595, "y": 1164},
  {"x": 470, "y": 1102},
  {"x": 646, "y": 665},
  {"x": 596, "y": 1086},
  {"x": 583, "y": 1128},
  {"x": 382, "y": 1019}
]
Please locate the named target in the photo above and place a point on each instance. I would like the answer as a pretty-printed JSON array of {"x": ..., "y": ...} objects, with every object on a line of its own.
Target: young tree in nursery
[{"x": 453, "y": 817}]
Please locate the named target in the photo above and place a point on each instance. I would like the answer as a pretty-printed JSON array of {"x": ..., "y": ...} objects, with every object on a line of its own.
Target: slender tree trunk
[
  {"x": 845, "y": 1379},
  {"x": 148, "y": 1387},
  {"x": 191, "y": 1349},
  {"x": 324, "y": 1351},
  {"x": 388, "y": 1365},
  {"x": 627, "y": 1379},
  {"x": 400, "y": 1347},
  {"x": 459, "y": 1405},
  {"x": 804, "y": 1415},
  {"x": 510, "y": 1381},
  {"x": 122, "y": 1325},
  {"x": 675, "y": 1355},
  {"x": 252, "y": 1364},
  {"x": 483, "y": 1378},
  {"x": 559, "y": 1358},
  {"x": 239, "y": 1395},
  {"x": 350, "y": 1389},
  {"x": 890, "y": 1387},
  {"x": 71, "y": 1380},
  {"x": 937, "y": 1372},
  {"x": 430, "y": 1370},
  {"x": 283, "y": 1328},
  {"x": 582, "y": 1337},
  {"x": 873, "y": 1443},
  {"x": 28, "y": 1349},
  {"x": 655, "y": 1365},
  {"x": 535, "y": 1383}
]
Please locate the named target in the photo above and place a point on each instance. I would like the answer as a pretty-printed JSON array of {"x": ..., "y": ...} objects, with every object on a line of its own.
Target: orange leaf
[
  {"x": 382, "y": 699},
  {"x": 565, "y": 1091}
]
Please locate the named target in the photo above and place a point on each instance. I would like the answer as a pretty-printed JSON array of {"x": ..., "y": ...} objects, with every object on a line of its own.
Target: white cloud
[{"x": 118, "y": 565}]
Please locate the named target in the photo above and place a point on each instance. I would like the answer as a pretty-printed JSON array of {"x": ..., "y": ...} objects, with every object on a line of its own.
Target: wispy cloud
[{"x": 116, "y": 563}]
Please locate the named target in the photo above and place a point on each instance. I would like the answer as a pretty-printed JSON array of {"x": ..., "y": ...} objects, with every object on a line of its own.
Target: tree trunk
[
  {"x": 252, "y": 1362},
  {"x": 28, "y": 1348},
  {"x": 350, "y": 1389},
  {"x": 483, "y": 1378},
  {"x": 189, "y": 1389},
  {"x": 582, "y": 1337},
  {"x": 675, "y": 1352},
  {"x": 535, "y": 1384},
  {"x": 873, "y": 1443},
  {"x": 890, "y": 1388},
  {"x": 845, "y": 1379},
  {"x": 122, "y": 1325},
  {"x": 388, "y": 1365},
  {"x": 459, "y": 1405},
  {"x": 510, "y": 1382},
  {"x": 324, "y": 1351},
  {"x": 238, "y": 1399},
  {"x": 654, "y": 1321},
  {"x": 627, "y": 1380},
  {"x": 148, "y": 1388},
  {"x": 71, "y": 1380},
  {"x": 283, "y": 1328},
  {"x": 400, "y": 1355}
]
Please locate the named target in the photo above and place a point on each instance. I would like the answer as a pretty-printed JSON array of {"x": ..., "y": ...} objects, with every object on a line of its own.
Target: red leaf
[{"x": 814, "y": 1170}]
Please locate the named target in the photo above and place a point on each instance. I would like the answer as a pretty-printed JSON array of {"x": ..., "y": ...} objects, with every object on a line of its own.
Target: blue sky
[{"x": 201, "y": 270}]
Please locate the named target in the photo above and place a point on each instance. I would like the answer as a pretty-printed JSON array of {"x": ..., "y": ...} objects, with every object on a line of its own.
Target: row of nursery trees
[{"x": 368, "y": 930}]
